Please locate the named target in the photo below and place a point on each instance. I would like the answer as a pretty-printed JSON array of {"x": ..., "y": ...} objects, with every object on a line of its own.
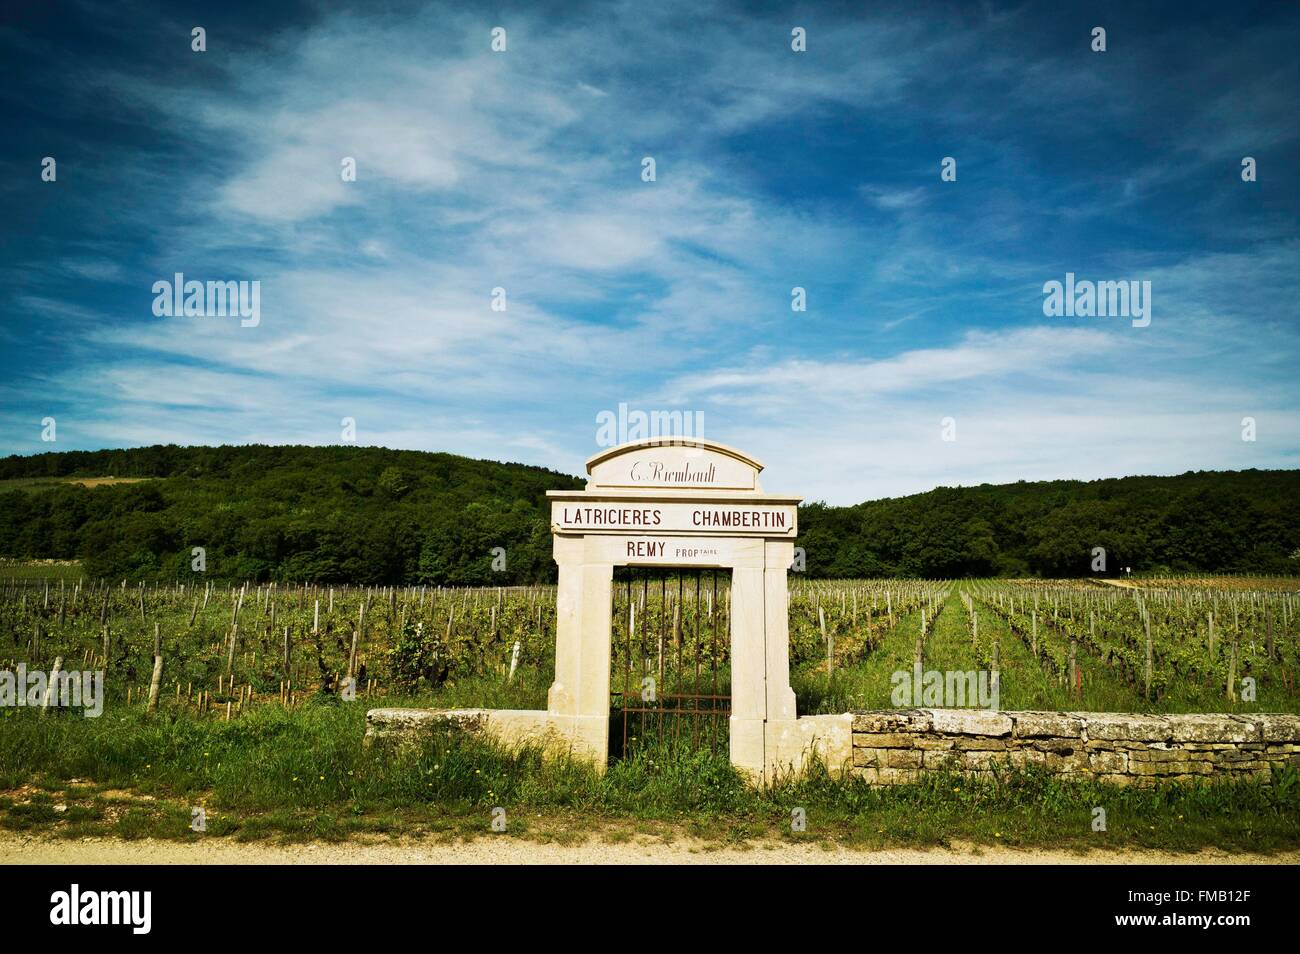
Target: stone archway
[{"x": 686, "y": 503}]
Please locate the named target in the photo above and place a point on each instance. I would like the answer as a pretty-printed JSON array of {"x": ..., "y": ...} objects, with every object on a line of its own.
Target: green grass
[{"x": 305, "y": 774}]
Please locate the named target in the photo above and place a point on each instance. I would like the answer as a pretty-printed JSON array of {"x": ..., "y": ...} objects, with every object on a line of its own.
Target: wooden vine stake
[
  {"x": 1147, "y": 669},
  {"x": 54, "y": 680},
  {"x": 514, "y": 660},
  {"x": 230, "y": 654},
  {"x": 830, "y": 646},
  {"x": 288, "y": 667},
  {"x": 156, "y": 679},
  {"x": 1232, "y": 671}
]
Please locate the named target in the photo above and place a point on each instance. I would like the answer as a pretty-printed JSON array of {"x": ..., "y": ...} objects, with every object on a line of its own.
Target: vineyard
[
  {"x": 213, "y": 651},
  {"x": 1078, "y": 645}
]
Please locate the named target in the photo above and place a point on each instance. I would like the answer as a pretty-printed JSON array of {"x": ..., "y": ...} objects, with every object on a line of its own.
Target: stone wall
[{"x": 892, "y": 746}]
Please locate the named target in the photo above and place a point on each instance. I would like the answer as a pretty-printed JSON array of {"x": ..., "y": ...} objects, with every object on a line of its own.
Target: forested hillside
[
  {"x": 371, "y": 515},
  {"x": 327, "y": 514},
  {"x": 1233, "y": 522}
]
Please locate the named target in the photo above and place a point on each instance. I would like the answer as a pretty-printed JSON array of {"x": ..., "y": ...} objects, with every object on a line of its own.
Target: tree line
[{"x": 370, "y": 515}]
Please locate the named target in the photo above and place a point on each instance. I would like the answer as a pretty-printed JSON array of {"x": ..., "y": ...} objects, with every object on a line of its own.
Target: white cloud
[
  {"x": 1034, "y": 351},
  {"x": 523, "y": 170}
]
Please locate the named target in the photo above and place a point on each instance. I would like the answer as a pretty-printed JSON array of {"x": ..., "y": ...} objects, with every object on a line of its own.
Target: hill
[
  {"x": 1204, "y": 521},
  {"x": 328, "y": 514},
  {"x": 372, "y": 515}
]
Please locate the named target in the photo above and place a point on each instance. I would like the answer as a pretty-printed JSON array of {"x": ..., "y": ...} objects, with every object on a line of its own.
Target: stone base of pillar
[
  {"x": 793, "y": 744},
  {"x": 585, "y": 738},
  {"x": 767, "y": 751},
  {"x": 747, "y": 747}
]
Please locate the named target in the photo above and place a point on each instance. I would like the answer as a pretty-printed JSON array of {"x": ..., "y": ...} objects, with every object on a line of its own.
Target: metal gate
[{"x": 671, "y": 669}]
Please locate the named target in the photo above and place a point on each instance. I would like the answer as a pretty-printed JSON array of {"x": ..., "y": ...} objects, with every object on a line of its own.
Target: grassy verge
[{"x": 304, "y": 774}]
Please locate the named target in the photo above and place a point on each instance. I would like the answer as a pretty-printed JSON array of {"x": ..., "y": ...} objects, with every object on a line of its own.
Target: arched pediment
[{"x": 686, "y": 463}]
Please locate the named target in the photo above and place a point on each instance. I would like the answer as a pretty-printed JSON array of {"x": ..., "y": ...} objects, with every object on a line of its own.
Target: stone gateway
[{"x": 689, "y": 503}]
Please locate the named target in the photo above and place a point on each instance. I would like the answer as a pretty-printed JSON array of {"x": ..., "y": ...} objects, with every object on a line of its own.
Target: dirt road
[{"x": 506, "y": 850}]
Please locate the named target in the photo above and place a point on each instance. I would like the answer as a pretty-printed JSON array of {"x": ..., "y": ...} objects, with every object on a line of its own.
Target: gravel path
[{"x": 504, "y": 850}]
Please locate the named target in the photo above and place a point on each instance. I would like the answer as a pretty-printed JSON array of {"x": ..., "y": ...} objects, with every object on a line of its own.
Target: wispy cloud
[{"x": 522, "y": 171}]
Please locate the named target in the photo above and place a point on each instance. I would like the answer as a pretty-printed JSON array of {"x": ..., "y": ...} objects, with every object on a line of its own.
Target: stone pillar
[
  {"x": 579, "y": 698},
  {"x": 778, "y": 555},
  {"x": 782, "y": 740},
  {"x": 748, "y": 671},
  {"x": 562, "y": 699}
]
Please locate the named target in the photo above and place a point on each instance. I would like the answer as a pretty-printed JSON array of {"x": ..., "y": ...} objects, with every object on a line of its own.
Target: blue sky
[{"x": 775, "y": 169}]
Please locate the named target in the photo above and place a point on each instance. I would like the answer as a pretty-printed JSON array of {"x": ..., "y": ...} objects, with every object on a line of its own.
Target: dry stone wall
[{"x": 895, "y": 745}]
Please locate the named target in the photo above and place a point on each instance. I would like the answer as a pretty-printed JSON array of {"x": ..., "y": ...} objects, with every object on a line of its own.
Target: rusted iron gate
[{"x": 670, "y": 675}]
